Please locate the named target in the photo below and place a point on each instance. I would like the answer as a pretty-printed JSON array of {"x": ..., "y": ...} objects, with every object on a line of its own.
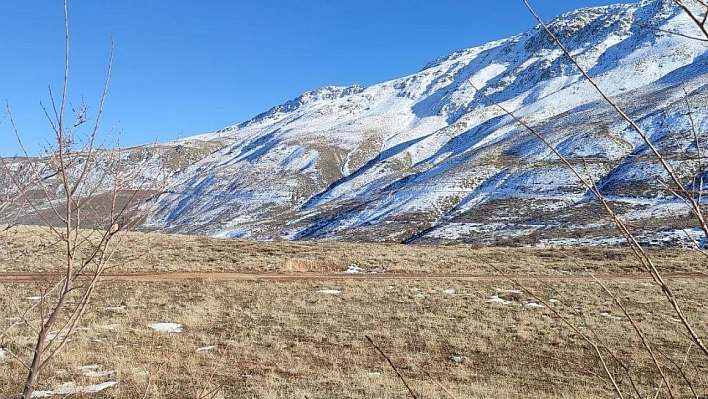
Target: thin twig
[
  {"x": 638, "y": 331},
  {"x": 680, "y": 368},
  {"x": 639, "y": 252},
  {"x": 439, "y": 384},
  {"x": 674, "y": 33},
  {"x": 413, "y": 395},
  {"x": 575, "y": 329},
  {"x": 699, "y": 21}
]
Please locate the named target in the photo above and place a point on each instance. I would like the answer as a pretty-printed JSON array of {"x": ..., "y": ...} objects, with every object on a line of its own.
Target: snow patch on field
[
  {"x": 94, "y": 371},
  {"x": 684, "y": 238},
  {"x": 166, "y": 327},
  {"x": 355, "y": 269},
  {"x": 70, "y": 388},
  {"x": 111, "y": 326},
  {"x": 584, "y": 241},
  {"x": 456, "y": 231},
  {"x": 329, "y": 292},
  {"x": 57, "y": 336},
  {"x": 609, "y": 315},
  {"x": 204, "y": 349},
  {"x": 496, "y": 299}
]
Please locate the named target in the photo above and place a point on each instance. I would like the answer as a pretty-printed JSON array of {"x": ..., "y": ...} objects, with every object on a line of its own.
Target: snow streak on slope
[{"x": 404, "y": 158}]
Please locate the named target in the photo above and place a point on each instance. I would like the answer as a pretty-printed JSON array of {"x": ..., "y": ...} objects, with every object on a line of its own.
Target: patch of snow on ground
[
  {"x": 496, "y": 299},
  {"x": 534, "y": 305},
  {"x": 655, "y": 209},
  {"x": 689, "y": 237},
  {"x": 111, "y": 326},
  {"x": 585, "y": 241},
  {"x": 34, "y": 298},
  {"x": 329, "y": 292},
  {"x": 69, "y": 388},
  {"x": 167, "y": 327},
  {"x": 205, "y": 349},
  {"x": 92, "y": 371},
  {"x": 610, "y": 316},
  {"x": 456, "y": 231},
  {"x": 354, "y": 268},
  {"x": 115, "y": 308},
  {"x": 58, "y": 336},
  {"x": 449, "y": 291},
  {"x": 2, "y": 352},
  {"x": 686, "y": 238}
]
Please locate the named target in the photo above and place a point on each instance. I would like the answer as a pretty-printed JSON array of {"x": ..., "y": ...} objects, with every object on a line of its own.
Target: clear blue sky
[{"x": 190, "y": 67}]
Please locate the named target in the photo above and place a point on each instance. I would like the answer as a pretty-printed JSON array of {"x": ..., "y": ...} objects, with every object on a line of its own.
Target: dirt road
[{"x": 284, "y": 277}]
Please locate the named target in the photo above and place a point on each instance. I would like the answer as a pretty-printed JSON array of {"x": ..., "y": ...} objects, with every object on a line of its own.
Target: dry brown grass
[
  {"x": 29, "y": 248},
  {"x": 283, "y": 339}
]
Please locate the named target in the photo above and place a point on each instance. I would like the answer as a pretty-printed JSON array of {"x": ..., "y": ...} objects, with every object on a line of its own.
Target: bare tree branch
[
  {"x": 398, "y": 373},
  {"x": 639, "y": 252}
]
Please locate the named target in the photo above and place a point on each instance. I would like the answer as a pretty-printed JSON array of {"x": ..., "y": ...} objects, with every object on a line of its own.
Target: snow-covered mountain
[{"x": 428, "y": 157}]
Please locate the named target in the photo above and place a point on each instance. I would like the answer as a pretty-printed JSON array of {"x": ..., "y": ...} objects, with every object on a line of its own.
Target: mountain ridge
[{"x": 418, "y": 153}]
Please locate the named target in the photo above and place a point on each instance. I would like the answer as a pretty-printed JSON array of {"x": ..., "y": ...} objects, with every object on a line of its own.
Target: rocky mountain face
[{"x": 432, "y": 157}]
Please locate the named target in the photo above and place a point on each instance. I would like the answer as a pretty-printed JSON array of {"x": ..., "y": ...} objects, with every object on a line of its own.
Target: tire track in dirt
[{"x": 19, "y": 277}]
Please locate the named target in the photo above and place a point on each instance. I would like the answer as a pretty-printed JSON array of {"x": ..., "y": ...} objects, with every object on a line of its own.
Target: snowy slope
[{"x": 429, "y": 157}]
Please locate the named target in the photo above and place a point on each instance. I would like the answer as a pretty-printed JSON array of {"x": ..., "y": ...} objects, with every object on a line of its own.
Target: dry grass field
[{"x": 285, "y": 320}]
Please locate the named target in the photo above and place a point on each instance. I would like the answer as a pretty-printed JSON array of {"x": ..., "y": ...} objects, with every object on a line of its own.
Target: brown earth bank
[{"x": 285, "y": 320}]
